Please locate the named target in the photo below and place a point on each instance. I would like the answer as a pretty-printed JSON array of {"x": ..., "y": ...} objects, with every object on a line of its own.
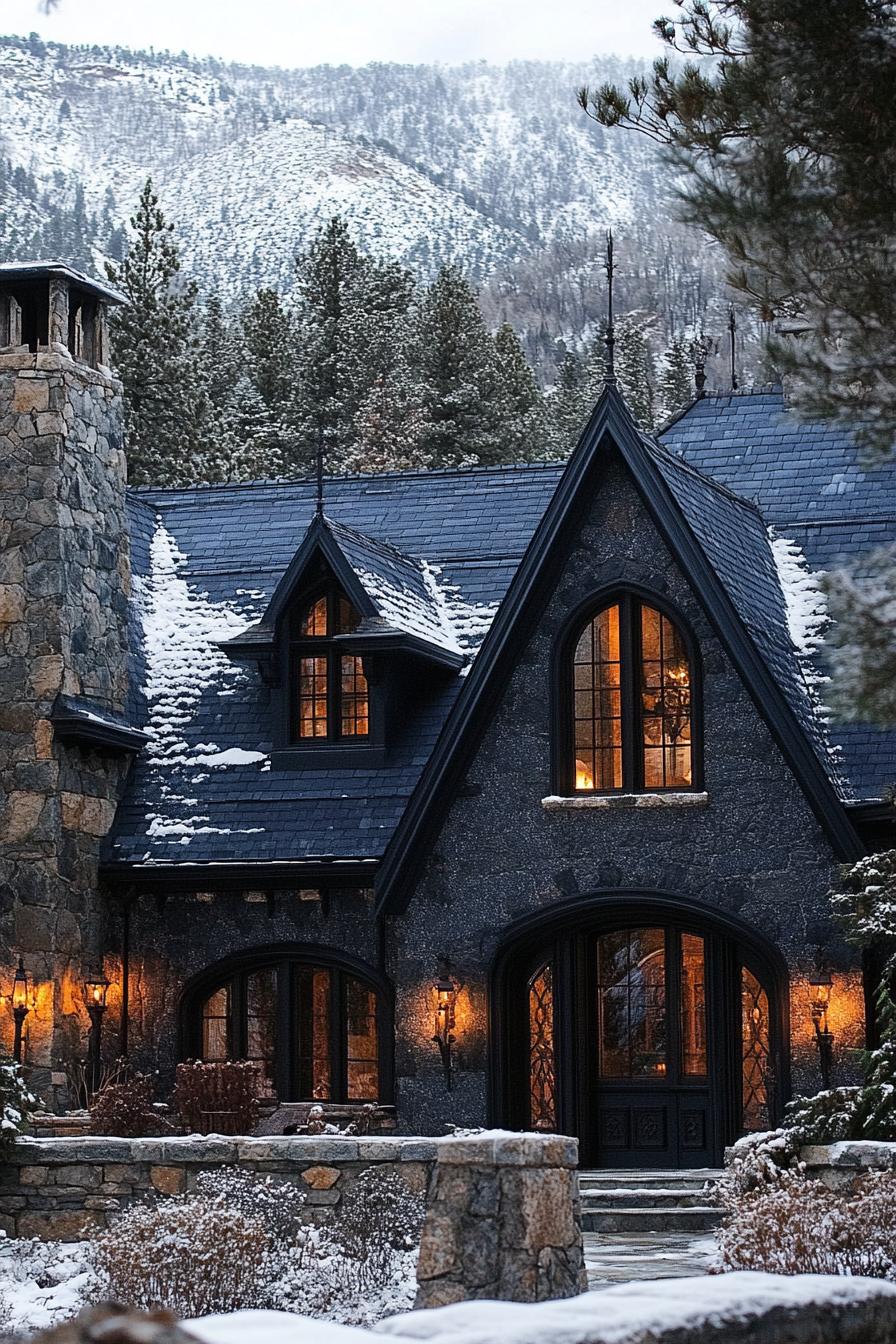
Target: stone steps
[{"x": 637, "y": 1202}]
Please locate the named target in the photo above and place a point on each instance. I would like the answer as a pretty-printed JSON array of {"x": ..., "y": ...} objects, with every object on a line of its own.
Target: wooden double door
[{"x": 655, "y": 1042}]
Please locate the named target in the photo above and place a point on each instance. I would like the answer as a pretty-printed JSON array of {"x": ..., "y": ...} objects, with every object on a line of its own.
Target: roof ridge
[
  {"x": 716, "y": 394},
  {"x": 691, "y": 470},
  {"x": 428, "y": 473},
  {"x": 374, "y": 542}
]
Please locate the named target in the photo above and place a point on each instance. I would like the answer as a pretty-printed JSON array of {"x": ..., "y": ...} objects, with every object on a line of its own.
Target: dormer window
[
  {"x": 628, "y": 702},
  {"x": 329, "y": 697}
]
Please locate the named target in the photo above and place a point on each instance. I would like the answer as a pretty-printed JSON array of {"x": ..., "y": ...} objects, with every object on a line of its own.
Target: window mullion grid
[
  {"x": 338, "y": 1038},
  {"x": 630, "y": 680}
]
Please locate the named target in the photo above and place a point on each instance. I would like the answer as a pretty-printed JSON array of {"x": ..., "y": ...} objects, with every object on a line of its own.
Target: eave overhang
[
  {"x": 88, "y": 725},
  {"x": 315, "y": 871}
]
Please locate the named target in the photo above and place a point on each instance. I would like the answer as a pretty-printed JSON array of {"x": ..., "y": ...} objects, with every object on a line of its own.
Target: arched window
[
  {"x": 632, "y": 703},
  {"x": 314, "y": 1030},
  {"x": 329, "y": 700}
]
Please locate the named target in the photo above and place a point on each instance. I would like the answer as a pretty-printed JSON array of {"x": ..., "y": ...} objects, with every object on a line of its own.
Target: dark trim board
[
  {"x": 610, "y": 428},
  {"x": 322, "y": 871}
]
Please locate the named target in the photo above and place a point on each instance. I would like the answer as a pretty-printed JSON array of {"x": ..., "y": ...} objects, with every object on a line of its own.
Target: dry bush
[
  {"x": 126, "y": 1109},
  {"x": 217, "y": 1098},
  {"x": 792, "y": 1224},
  {"x": 224, "y": 1247},
  {"x": 187, "y": 1254}
]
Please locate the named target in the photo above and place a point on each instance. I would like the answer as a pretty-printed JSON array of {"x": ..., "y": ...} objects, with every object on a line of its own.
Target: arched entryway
[
  {"x": 645, "y": 1024},
  {"x": 317, "y": 1023}
]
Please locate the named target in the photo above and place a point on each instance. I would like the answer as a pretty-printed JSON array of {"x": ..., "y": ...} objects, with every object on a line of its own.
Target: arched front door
[{"x": 651, "y": 1033}]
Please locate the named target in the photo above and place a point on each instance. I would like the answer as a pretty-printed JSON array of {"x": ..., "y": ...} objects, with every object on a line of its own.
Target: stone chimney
[{"x": 65, "y": 744}]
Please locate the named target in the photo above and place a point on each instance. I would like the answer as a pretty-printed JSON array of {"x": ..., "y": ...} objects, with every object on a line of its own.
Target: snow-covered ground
[{"x": 42, "y": 1283}]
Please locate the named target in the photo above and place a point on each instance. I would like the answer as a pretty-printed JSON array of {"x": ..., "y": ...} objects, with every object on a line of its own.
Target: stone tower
[{"x": 64, "y": 581}]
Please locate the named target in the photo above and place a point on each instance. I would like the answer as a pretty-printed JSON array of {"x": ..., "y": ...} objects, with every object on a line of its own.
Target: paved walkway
[{"x": 613, "y": 1257}]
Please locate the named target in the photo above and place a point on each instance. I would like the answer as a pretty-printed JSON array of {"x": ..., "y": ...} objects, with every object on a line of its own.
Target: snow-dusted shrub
[
  {"x": 277, "y": 1203},
  {"x": 15, "y": 1102},
  {"x": 189, "y": 1254},
  {"x": 795, "y": 1225},
  {"x": 222, "y": 1247},
  {"x": 217, "y": 1098},
  {"x": 126, "y": 1109},
  {"x": 363, "y": 1266}
]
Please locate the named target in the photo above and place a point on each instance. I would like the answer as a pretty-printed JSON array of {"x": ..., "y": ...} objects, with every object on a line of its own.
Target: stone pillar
[
  {"x": 64, "y": 583},
  {"x": 58, "y": 315},
  {"x": 502, "y": 1221}
]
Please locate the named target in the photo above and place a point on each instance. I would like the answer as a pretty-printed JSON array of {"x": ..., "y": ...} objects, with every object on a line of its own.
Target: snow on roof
[
  {"x": 181, "y": 630},
  {"x": 410, "y": 596}
]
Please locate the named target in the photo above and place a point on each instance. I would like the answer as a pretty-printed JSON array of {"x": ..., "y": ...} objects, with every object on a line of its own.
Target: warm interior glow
[{"x": 584, "y": 777}]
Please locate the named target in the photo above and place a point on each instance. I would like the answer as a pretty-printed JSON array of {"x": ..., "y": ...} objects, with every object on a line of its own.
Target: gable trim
[{"x": 407, "y": 849}]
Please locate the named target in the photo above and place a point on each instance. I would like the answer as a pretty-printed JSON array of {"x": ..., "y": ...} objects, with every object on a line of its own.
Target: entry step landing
[{"x": 623, "y": 1201}]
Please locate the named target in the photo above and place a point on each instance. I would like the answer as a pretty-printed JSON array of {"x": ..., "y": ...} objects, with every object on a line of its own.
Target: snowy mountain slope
[
  {"x": 248, "y": 208},
  {"x": 496, "y": 168},
  {"x": 490, "y": 159}
]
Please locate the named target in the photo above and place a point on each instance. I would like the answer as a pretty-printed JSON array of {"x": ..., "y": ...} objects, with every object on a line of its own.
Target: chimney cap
[{"x": 43, "y": 270}]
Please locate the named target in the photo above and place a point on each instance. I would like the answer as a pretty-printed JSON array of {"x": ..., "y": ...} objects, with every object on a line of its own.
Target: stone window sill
[{"x": 624, "y": 801}]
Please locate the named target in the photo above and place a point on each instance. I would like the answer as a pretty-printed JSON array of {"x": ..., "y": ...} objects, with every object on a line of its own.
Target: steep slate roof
[
  {"x": 207, "y": 562},
  {"x": 810, "y": 484}
]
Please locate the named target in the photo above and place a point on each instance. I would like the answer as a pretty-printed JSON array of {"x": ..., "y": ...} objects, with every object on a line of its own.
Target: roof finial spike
[
  {"x": 319, "y": 472},
  {"x": 700, "y": 350},
  {"x": 610, "y": 338},
  {"x": 732, "y": 333}
]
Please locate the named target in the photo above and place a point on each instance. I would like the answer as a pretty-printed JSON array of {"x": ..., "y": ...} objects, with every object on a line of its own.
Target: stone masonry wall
[
  {"x": 60, "y": 1189},
  {"x": 503, "y": 1221},
  {"x": 502, "y": 1210},
  {"x": 64, "y": 583}
]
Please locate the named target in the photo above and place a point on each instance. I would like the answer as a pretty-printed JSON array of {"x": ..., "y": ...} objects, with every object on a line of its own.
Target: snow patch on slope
[{"x": 804, "y": 596}]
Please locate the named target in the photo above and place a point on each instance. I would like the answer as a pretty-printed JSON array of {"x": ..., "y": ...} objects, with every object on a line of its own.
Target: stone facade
[
  {"x": 64, "y": 585},
  {"x": 752, "y": 847}
]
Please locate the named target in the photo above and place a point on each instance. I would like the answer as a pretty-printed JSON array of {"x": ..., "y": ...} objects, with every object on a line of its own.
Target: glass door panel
[
  {"x": 363, "y": 1052},
  {"x": 261, "y": 1010},
  {"x": 756, "y": 1053},
  {"x": 314, "y": 1034},
  {"x": 631, "y": 1004},
  {"x": 692, "y": 1006}
]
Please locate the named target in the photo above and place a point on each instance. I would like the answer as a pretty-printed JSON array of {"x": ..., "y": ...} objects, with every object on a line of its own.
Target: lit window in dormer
[{"x": 330, "y": 686}]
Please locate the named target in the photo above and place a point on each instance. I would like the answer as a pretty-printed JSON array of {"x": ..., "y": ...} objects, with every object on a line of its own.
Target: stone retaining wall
[
  {"x": 837, "y": 1164},
  {"x": 502, "y": 1210},
  {"x": 54, "y": 1189}
]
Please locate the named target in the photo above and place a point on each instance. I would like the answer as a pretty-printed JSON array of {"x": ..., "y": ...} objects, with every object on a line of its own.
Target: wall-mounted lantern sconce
[
  {"x": 820, "y": 985},
  {"x": 20, "y": 1008},
  {"x": 96, "y": 989},
  {"x": 446, "y": 997}
]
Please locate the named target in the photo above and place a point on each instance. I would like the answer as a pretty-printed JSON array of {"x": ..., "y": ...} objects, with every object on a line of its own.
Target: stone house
[{"x": 497, "y": 796}]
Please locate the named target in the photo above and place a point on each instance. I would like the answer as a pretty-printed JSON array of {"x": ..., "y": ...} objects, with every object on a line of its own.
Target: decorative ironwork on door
[
  {"x": 756, "y": 1053},
  {"x": 542, "y": 1063}
]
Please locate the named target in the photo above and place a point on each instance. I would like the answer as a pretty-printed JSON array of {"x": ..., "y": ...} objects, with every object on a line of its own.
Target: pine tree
[
  {"x": 783, "y": 134},
  {"x": 459, "y": 372},
  {"x": 635, "y": 370},
  {"x": 521, "y": 420},
  {"x": 675, "y": 382},
  {"x": 253, "y": 435},
  {"x": 390, "y": 427},
  {"x": 568, "y": 405},
  {"x": 329, "y": 274},
  {"x": 155, "y": 349}
]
